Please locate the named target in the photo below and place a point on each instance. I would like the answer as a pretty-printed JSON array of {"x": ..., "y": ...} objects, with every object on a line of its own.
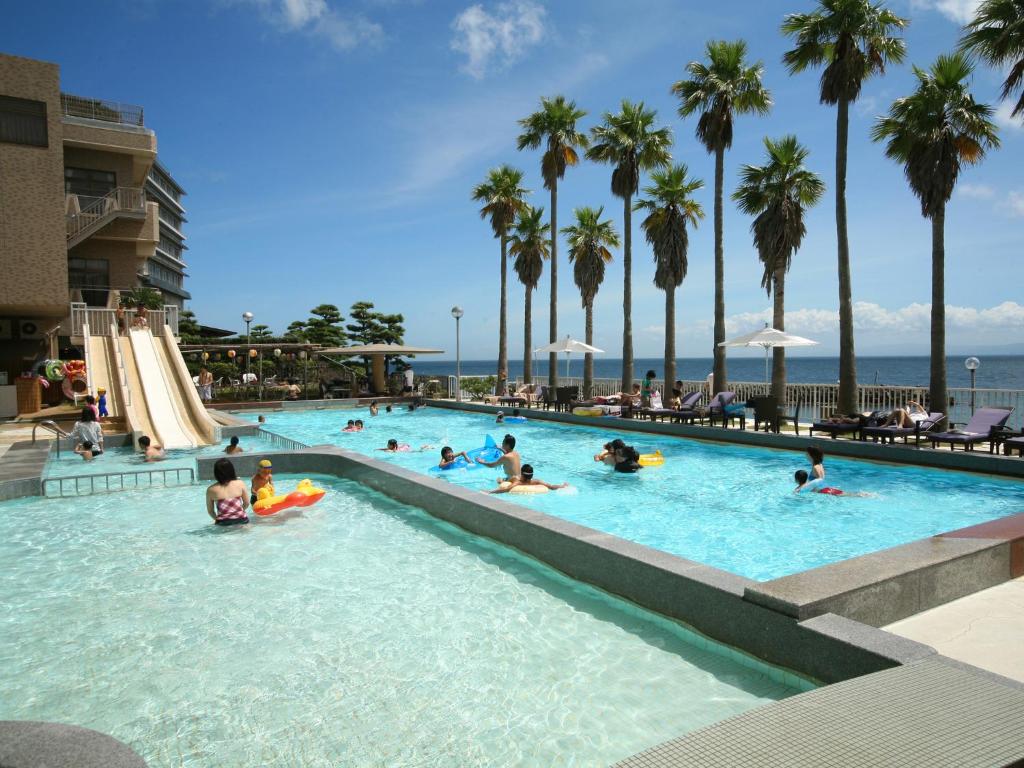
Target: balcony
[
  {"x": 102, "y": 110},
  {"x": 97, "y": 212}
]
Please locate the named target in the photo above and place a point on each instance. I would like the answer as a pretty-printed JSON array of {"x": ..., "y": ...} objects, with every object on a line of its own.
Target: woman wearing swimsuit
[{"x": 226, "y": 500}]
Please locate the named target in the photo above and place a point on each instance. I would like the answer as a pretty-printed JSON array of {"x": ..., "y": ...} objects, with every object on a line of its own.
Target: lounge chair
[
  {"x": 890, "y": 433},
  {"x": 794, "y": 418},
  {"x": 766, "y": 411},
  {"x": 978, "y": 429},
  {"x": 719, "y": 406},
  {"x": 1014, "y": 444},
  {"x": 685, "y": 411},
  {"x": 852, "y": 426}
]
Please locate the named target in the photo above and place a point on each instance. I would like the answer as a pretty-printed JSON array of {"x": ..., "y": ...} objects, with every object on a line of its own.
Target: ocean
[{"x": 996, "y": 372}]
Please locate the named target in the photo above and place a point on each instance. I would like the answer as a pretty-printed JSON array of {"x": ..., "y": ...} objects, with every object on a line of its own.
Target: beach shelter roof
[
  {"x": 567, "y": 345},
  {"x": 768, "y": 338}
]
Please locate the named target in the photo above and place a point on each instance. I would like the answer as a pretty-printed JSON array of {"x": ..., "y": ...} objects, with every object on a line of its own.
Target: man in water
[
  {"x": 510, "y": 461},
  {"x": 151, "y": 450},
  {"x": 526, "y": 478}
]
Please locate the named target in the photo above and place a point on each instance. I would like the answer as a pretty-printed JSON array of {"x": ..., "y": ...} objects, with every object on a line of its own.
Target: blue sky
[{"x": 329, "y": 148}]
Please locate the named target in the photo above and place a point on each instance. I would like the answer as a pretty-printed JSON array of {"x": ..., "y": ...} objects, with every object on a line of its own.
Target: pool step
[{"x": 112, "y": 482}]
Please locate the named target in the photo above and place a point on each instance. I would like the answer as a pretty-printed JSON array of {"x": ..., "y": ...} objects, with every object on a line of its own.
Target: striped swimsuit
[{"x": 230, "y": 512}]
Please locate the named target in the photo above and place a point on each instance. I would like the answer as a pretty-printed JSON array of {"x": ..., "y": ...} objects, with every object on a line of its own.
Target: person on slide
[
  {"x": 803, "y": 485},
  {"x": 225, "y": 499},
  {"x": 526, "y": 478},
  {"x": 510, "y": 462}
]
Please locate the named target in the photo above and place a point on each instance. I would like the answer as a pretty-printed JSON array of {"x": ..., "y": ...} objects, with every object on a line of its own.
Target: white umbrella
[
  {"x": 568, "y": 345},
  {"x": 768, "y": 338}
]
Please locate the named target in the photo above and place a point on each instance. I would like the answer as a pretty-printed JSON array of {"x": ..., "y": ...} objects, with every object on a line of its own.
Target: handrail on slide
[{"x": 52, "y": 426}]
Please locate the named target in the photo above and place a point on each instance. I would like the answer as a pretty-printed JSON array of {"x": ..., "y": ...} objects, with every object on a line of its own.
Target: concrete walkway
[{"x": 985, "y": 629}]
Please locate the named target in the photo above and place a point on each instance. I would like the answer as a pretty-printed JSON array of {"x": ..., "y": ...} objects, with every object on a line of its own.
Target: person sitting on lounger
[
  {"x": 802, "y": 484},
  {"x": 907, "y": 417},
  {"x": 526, "y": 478}
]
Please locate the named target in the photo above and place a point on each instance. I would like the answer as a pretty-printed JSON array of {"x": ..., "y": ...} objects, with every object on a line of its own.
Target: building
[{"x": 86, "y": 211}]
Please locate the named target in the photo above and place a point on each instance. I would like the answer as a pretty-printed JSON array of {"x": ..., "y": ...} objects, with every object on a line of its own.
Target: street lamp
[
  {"x": 972, "y": 364},
  {"x": 247, "y": 317},
  {"x": 457, "y": 314}
]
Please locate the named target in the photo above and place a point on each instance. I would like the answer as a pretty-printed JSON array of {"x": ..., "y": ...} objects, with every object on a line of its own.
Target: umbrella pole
[
  {"x": 567, "y": 364},
  {"x": 766, "y": 379}
]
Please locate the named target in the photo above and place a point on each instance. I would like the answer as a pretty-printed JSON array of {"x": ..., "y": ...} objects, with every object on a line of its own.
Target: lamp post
[
  {"x": 457, "y": 314},
  {"x": 972, "y": 364},
  {"x": 247, "y": 317}
]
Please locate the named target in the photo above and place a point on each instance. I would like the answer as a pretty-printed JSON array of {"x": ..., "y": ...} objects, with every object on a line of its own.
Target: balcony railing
[
  {"x": 102, "y": 321},
  {"x": 99, "y": 210},
  {"x": 101, "y": 109}
]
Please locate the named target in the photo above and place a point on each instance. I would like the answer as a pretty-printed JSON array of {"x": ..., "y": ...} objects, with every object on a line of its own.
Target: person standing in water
[
  {"x": 264, "y": 478},
  {"x": 225, "y": 499},
  {"x": 510, "y": 461}
]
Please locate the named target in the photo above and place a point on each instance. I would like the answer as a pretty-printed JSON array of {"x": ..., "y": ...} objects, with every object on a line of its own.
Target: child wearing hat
[
  {"x": 101, "y": 403},
  {"x": 264, "y": 478}
]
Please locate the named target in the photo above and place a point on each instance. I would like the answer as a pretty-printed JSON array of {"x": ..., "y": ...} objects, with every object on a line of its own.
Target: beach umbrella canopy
[
  {"x": 568, "y": 345},
  {"x": 768, "y": 338}
]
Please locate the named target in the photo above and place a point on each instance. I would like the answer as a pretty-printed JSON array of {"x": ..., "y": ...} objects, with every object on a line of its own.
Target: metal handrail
[
  {"x": 52, "y": 426},
  {"x": 106, "y": 477},
  {"x": 280, "y": 441},
  {"x": 101, "y": 109},
  {"x": 118, "y": 200}
]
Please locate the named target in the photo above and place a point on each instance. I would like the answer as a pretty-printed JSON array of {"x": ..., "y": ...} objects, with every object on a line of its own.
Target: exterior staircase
[{"x": 120, "y": 202}]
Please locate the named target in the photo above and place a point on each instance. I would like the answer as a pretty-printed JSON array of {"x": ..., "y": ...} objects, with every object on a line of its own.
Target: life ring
[
  {"x": 73, "y": 385},
  {"x": 655, "y": 459},
  {"x": 304, "y": 495},
  {"x": 582, "y": 411},
  {"x": 53, "y": 370},
  {"x": 524, "y": 489}
]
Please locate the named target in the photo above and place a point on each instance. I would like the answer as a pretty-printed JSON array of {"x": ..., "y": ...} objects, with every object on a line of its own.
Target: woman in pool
[
  {"x": 817, "y": 457},
  {"x": 526, "y": 478},
  {"x": 225, "y": 499},
  {"x": 627, "y": 459},
  {"x": 88, "y": 430},
  {"x": 802, "y": 484},
  {"x": 233, "y": 446}
]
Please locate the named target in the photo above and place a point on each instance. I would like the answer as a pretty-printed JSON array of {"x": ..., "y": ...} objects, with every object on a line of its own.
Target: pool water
[
  {"x": 728, "y": 506},
  {"x": 359, "y": 632}
]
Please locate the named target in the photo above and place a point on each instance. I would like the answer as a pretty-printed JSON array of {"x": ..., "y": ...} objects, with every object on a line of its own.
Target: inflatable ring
[
  {"x": 581, "y": 411},
  {"x": 655, "y": 459},
  {"x": 488, "y": 452},
  {"x": 523, "y": 489},
  {"x": 304, "y": 495},
  {"x": 53, "y": 370},
  {"x": 74, "y": 385}
]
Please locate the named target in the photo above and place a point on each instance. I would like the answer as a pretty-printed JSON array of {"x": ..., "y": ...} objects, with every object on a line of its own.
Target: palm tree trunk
[
  {"x": 553, "y": 310},
  {"x": 670, "y": 341},
  {"x": 528, "y": 336},
  {"x": 503, "y": 321},
  {"x": 779, "y": 322},
  {"x": 588, "y": 358},
  {"x": 719, "y": 352},
  {"x": 847, "y": 358},
  {"x": 937, "y": 395},
  {"x": 627, "y": 294}
]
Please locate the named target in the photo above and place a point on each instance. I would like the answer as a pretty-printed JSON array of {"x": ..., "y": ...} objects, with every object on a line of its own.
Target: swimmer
[
  {"x": 373, "y": 408},
  {"x": 264, "y": 478},
  {"x": 85, "y": 450},
  {"x": 627, "y": 459},
  {"x": 262, "y": 419},
  {"x": 500, "y": 418},
  {"x": 387, "y": 409},
  {"x": 449, "y": 457},
  {"x": 359, "y": 425},
  {"x": 151, "y": 450},
  {"x": 350, "y": 427},
  {"x": 817, "y": 457},
  {"x": 233, "y": 447},
  {"x": 526, "y": 478},
  {"x": 510, "y": 461},
  {"x": 225, "y": 499},
  {"x": 395, "y": 447},
  {"x": 607, "y": 455},
  {"x": 801, "y": 485}
]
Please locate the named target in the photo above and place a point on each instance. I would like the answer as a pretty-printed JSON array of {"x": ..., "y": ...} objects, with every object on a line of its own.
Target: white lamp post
[
  {"x": 457, "y": 314},
  {"x": 972, "y": 364},
  {"x": 247, "y": 317}
]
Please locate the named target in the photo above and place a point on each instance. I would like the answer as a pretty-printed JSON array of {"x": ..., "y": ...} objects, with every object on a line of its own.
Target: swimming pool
[
  {"x": 361, "y": 632},
  {"x": 724, "y": 505}
]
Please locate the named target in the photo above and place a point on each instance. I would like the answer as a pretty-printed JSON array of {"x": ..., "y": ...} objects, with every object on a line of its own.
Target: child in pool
[
  {"x": 373, "y": 408},
  {"x": 395, "y": 447},
  {"x": 526, "y": 478},
  {"x": 85, "y": 451},
  {"x": 350, "y": 427},
  {"x": 607, "y": 455},
  {"x": 500, "y": 418},
  {"x": 264, "y": 478},
  {"x": 802, "y": 484},
  {"x": 151, "y": 450},
  {"x": 233, "y": 446},
  {"x": 449, "y": 457}
]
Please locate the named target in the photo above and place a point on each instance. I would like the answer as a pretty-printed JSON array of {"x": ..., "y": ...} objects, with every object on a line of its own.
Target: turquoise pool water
[
  {"x": 728, "y": 506},
  {"x": 360, "y": 633}
]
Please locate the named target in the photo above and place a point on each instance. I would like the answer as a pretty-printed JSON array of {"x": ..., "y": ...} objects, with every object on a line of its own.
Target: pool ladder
[{"x": 52, "y": 427}]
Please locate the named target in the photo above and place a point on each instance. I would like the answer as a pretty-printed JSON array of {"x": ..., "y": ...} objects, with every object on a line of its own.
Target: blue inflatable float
[{"x": 488, "y": 452}]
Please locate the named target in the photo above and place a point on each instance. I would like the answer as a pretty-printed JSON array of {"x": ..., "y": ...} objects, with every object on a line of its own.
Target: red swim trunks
[{"x": 830, "y": 491}]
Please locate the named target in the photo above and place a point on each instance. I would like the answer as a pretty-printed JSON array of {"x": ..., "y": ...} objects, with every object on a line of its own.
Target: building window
[
  {"x": 92, "y": 277},
  {"x": 170, "y": 247},
  {"x": 23, "y": 121},
  {"x": 165, "y": 275},
  {"x": 88, "y": 184}
]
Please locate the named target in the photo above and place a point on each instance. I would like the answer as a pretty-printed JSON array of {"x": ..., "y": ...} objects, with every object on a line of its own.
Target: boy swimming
[
  {"x": 526, "y": 478},
  {"x": 450, "y": 457},
  {"x": 151, "y": 450}
]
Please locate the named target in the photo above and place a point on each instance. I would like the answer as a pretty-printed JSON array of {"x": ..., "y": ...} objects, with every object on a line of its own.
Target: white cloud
[
  {"x": 975, "y": 191},
  {"x": 1004, "y": 118},
  {"x": 1014, "y": 203},
  {"x": 868, "y": 316},
  {"x": 960, "y": 11},
  {"x": 503, "y": 35},
  {"x": 343, "y": 31}
]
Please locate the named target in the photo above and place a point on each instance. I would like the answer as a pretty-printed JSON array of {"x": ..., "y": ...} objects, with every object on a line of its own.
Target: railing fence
[
  {"x": 85, "y": 485},
  {"x": 280, "y": 441},
  {"x": 118, "y": 200},
  {"x": 103, "y": 321}
]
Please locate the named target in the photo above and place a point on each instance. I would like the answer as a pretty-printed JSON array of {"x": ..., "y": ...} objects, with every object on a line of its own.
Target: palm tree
[
  {"x": 554, "y": 124},
  {"x": 996, "y": 35},
  {"x": 723, "y": 87},
  {"x": 501, "y": 200},
  {"x": 589, "y": 240},
  {"x": 529, "y": 245},
  {"x": 629, "y": 141},
  {"x": 778, "y": 194},
  {"x": 670, "y": 208},
  {"x": 852, "y": 39},
  {"x": 933, "y": 132}
]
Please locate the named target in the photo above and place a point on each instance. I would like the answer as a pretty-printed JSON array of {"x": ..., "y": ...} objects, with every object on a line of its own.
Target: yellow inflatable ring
[
  {"x": 587, "y": 412},
  {"x": 652, "y": 459},
  {"x": 524, "y": 489}
]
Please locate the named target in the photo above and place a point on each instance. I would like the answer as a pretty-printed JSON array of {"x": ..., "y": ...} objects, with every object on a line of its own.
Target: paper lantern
[
  {"x": 252, "y": 353},
  {"x": 231, "y": 354},
  {"x": 277, "y": 353},
  {"x": 206, "y": 355}
]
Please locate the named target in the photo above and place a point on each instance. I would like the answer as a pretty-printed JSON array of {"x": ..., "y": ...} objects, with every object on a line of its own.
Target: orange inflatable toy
[{"x": 304, "y": 495}]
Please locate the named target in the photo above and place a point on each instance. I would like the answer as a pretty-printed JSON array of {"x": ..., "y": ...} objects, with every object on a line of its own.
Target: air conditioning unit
[{"x": 30, "y": 329}]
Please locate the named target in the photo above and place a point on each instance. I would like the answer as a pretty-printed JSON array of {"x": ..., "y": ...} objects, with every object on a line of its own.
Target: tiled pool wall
[{"x": 712, "y": 602}]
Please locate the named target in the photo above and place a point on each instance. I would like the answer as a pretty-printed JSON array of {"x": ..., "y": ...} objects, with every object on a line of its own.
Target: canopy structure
[
  {"x": 568, "y": 345},
  {"x": 377, "y": 353},
  {"x": 768, "y": 338}
]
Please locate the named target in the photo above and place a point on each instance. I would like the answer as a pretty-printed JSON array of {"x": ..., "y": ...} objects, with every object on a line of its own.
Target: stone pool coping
[
  {"x": 826, "y": 648},
  {"x": 965, "y": 461}
]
